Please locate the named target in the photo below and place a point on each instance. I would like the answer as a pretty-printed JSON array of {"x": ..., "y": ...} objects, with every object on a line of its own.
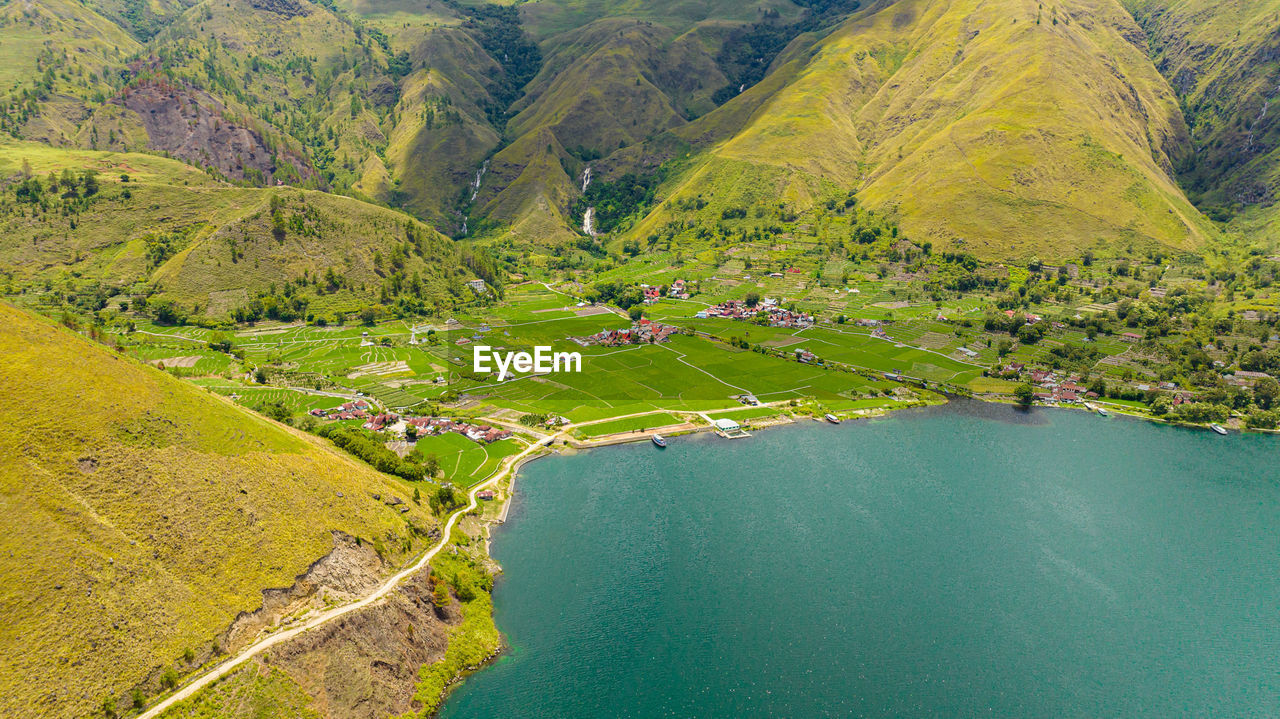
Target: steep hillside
[
  {"x": 548, "y": 18},
  {"x": 55, "y": 57},
  {"x": 163, "y": 230},
  {"x": 606, "y": 87},
  {"x": 1223, "y": 59},
  {"x": 1000, "y": 128},
  {"x": 135, "y": 530},
  {"x": 1006, "y": 128},
  {"x": 437, "y": 149}
]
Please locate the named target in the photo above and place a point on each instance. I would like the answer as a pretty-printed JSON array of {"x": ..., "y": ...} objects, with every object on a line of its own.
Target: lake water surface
[{"x": 961, "y": 561}]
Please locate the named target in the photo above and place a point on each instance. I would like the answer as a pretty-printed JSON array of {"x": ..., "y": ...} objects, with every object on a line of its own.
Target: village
[
  {"x": 641, "y": 332},
  {"x": 652, "y": 293},
  {"x": 768, "y": 307},
  {"x": 410, "y": 428}
]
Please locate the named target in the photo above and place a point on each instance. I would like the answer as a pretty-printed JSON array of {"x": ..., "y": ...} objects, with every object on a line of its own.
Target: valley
[{"x": 248, "y": 247}]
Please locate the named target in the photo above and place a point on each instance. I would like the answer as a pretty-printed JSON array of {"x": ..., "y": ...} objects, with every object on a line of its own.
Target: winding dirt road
[{"x": 386, "y": 588}]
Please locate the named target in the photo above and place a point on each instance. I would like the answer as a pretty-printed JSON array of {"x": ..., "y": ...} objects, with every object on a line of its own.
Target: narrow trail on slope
[{"x": 325, "y": 617}]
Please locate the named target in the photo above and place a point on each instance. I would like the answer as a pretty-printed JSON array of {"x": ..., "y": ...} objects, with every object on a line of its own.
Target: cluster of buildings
[
  {"x": 394, "y": 423},
  {"x": 653, "y": 293},
  {"x": 778, "y": 317},
  {"x": 359, "y": 409},
  {"x": 639, "y": 333},
  {"x": 1049, "y": 386},
  {"x": 481, "y": 433}
]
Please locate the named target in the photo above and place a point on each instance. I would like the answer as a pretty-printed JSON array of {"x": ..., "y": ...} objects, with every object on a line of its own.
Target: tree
[
  {"x": 636, "y": 312},
  {"x": 1264, "y": 419},
  {"x": 1161, "y": 404},
  {"x": 753, "y": 299},
  {"x": 1025, "y": 394},
  {"x": 1266, "y": 392},
  {"x": 440, "y": 592},
  {"x": 89, "y": 181},
  {"x": 167, "y": 312},
  {"x": 431, "y": 465}
]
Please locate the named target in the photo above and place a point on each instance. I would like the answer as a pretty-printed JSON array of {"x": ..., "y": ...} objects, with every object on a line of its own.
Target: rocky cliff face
[
  {"x": 365, "y": 665},
  {"x": 192, "y": 125}
]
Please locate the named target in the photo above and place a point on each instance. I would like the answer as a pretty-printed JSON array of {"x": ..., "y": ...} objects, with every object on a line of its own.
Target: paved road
[{"x": 387, "y": 587}]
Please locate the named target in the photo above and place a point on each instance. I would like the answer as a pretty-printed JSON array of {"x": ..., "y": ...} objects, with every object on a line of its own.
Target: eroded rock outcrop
[{"x": 194, "y": 126}]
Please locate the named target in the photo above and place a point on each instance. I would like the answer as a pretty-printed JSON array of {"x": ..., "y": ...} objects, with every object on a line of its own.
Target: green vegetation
[
  {"x": 154, "y": 514},
  {"x": 995, "y": 199},
  {"x": 630, "y": 424},
  {"x": 472, "y": 642},
  {"x": 249, "y": 692}
]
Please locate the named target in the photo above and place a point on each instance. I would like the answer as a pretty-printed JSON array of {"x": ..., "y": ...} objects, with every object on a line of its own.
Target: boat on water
[
  {"x": 658, "y": 440},
  {"x": 832, "y": 418},
  {"x": 1103, "y": 412},
  {"x": 1218, "y": 428}
]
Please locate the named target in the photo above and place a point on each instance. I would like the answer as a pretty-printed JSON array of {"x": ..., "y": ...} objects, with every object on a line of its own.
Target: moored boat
[
  {"x": 832, "y": 418},
  {"x": 1218, "y": 428},
  {"x": 1103, "y": 412},
  {"x": 658, "y": 440}
]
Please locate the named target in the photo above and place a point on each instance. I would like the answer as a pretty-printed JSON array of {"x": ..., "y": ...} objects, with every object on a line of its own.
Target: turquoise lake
[{"x": 961, "y": 561}]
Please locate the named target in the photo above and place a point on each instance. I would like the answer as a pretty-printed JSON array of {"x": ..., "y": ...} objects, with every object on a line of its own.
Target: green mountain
[
  {"x": 1223, "y": 58},
  {"x": 1006, "y": 129},
  {"x": 168, "y": 232},
  {"x": 995, "y": 128}
]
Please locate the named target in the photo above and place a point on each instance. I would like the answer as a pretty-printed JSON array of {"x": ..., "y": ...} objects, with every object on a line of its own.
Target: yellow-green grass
[
  {"x": 1222, "y": 58},
  {"x": 107, "y": 242},
  {"x": 140, "y": 514},
  {"x": 252, "y": 692},
  {"x": 91, "y": 42},
  {"x": 1023, "y": 139}
]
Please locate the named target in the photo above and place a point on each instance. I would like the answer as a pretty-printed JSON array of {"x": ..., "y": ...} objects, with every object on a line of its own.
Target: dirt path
[{"x": 386, "y": 588}]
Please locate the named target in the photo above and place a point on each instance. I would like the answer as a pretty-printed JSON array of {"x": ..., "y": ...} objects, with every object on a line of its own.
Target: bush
[
  {"x": 1201, "y": 412},
  {"x": 1264, "y": 419},
  {"x": 371, "y": 451}
]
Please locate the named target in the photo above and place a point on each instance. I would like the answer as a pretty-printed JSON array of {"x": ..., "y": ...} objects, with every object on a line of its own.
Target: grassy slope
[
  {"x": 977, "y": 126},
  {"x": 74, "y": 41},
  {"x": 142, "y": 524},
  {"x": 603, "y": 87},
  {"x": 546, "y": 18},
  {"x": 107, "y": 242},
  {"x": 443, "y": 135},
  {"x": 1221, "y": 57}
]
